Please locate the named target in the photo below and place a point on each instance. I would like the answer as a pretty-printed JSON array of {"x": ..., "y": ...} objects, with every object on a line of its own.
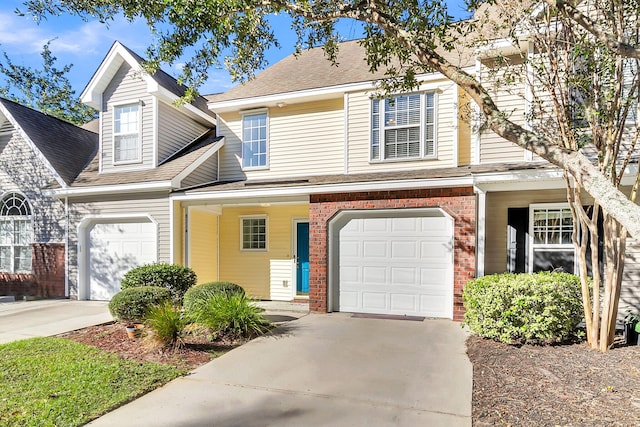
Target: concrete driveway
[
  {"x": 27, "y": 319},
  {"x": 322, "y": 370}
]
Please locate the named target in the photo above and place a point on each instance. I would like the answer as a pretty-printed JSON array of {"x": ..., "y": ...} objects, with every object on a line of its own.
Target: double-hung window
[
  {"x": 253, "y": 233},
  {"x": 404, "y": 127},
  {"x": 126, "y": 134},
  {"x": 15, "y": 234},
  {"x": 254, "y": 140},
  {"x": 551, "y": 239}
]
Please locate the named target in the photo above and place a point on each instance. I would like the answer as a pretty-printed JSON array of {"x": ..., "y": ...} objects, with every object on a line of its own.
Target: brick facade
[
  {"x": 460, "y": 203},
  {"x": 47, "y": 277}
]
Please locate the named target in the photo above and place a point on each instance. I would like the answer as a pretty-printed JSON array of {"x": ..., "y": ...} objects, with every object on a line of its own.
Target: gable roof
[
  {"x": 312, "y": 70},
  {"x": 159, "y": 84},
  {"x": 66, "y": 147}
]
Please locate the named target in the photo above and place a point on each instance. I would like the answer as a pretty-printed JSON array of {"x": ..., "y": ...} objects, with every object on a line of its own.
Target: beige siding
[
  {"x": 155, "y": 205},
  {"x": 359, "y": 110},
  {"x": 304, "y": 139},
  {"x": 21, "y": 170},
  {"x": 496, "y": 221},
  {"x": 509, "y": 98},
  {"x": 496, "y": 239},
  {"x": 127, "y": 86},
  {"x": 207, "y": 172},
  {"x": 464, "y": 128},
  {"x": 175, "y": 130}
]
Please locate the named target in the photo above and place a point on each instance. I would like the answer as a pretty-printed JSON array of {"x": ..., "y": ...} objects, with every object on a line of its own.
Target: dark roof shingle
[{"x": 67, "y": 147}]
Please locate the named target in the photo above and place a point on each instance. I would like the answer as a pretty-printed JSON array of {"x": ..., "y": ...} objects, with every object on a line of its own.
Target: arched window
[{"x": 15, "y": 233}]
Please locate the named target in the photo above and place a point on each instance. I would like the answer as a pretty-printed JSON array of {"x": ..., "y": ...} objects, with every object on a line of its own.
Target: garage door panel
[
  {"x": 403, "y": 276},
  {"x": 374, "y": 274},
  {"x": 373, "y": 249},
  {"x": 374, "y": 300},
  {"x": 402, "y": 303},
  {"x": 404, "y": 250},
  {"x": 399, "y": 265}
]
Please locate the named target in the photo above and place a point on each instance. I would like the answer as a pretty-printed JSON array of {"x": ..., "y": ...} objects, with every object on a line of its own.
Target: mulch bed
[
  {"x": 197, "y": 350},
  {"x": 561, "y": 385}
]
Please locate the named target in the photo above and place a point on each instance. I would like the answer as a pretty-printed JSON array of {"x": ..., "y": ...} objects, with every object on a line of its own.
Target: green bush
[
  {"x": 166, "y": 324},
  {"x": 176, "y": 278},
  {"x": 516, "y": 308},
  {"x": 132, "y": 304},
  {"x": 230, "y": 314},
  {"x": 205, "y": 290}
]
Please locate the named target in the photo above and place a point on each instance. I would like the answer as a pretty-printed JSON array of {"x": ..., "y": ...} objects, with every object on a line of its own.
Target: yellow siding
[
  {"x": 464, "y": 128},
  {"x": 203, "y": 244},
  {"x": 251, "y": 269},
  {"x": 360, "y": 132},
  {"x": 304, "y": 139}
]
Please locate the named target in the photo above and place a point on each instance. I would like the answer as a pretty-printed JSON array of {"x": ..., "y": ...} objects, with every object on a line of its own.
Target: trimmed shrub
[
  {"x": 166, "y": 323},
  {"x": 132, "y": 304},
  {"x": 176, "y": 278},
  {"x": 517, "y": 308},
  {"x": 230, "y": 314},
  {"x": 205, "y": 290}
]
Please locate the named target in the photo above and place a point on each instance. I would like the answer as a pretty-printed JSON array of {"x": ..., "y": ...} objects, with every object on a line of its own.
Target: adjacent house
[{"x": 36, "y": 150}]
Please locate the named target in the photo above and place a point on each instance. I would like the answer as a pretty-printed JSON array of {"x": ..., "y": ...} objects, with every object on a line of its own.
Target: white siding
[
  {"x": 175, "y": 130},
  {"x": 155, "y": 205},
  {"x": 283, "y": 285},
  {"x": 127, "y": 86},
  {"x": 22, "y": 170},
  {"x": 360, "y": 133},
  {"x": 304, "y": 139}
]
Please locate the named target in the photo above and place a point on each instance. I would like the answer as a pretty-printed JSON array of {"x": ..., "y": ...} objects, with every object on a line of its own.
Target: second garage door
[
  {"x": 114, "y": 249},
  {"x": 397, "y": 265}
]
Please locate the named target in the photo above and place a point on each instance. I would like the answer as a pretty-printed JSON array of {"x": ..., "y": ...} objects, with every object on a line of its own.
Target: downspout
[
  {"x": 345, "y": 108},
  {"x": 66, "y": 248},
  {"x": 481, "y": 203}
]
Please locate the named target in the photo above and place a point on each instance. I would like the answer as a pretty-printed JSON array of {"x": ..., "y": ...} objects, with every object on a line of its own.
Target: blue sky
[{"x": 84, "y": 44}]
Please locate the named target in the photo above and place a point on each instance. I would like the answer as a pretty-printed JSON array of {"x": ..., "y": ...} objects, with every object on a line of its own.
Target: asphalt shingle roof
[
  {"x": 312, "y": 70},
  {"x": 67, "y": 147},
  {"x": 166, "y": 171}
]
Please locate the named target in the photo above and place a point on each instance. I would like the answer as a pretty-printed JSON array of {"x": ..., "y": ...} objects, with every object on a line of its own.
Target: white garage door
[
  {"x": 114, "y": 249},
  {"x": 401, "y": 266}
]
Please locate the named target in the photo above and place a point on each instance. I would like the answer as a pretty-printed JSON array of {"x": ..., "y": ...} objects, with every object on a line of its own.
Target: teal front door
[{"x": 302, "y": 258}]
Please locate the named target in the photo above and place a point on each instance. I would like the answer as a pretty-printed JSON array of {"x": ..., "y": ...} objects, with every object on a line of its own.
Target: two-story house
[
  {"x": 369, "y": 205},
  {"x": 120, "y": 213}
]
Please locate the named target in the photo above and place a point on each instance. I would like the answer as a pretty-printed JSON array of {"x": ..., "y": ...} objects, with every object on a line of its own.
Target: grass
[{"x": 58, "y": 382}]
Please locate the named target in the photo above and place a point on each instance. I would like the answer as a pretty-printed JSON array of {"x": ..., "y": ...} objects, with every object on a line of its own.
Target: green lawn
[{"x": 58, "y": 382}]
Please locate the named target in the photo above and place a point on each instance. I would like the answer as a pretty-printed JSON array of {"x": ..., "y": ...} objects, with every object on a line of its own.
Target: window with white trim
[
  {"x": 253, "y": 233},
  {"x": 551, "y": 230},
  {"x": 15, "y": 234},
  {"x": 254, "y": 140},
  {"x": 126, "y": 134},
  {"x": 403, "y": 127}
]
